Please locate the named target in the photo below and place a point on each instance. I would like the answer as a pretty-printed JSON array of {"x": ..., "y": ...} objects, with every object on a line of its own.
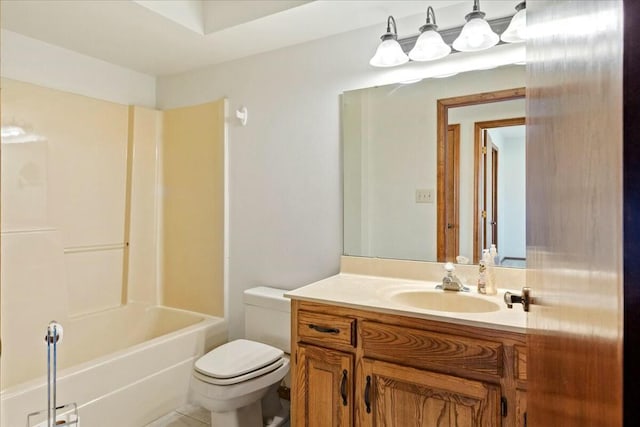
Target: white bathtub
[{"x": 125, "y": 366}]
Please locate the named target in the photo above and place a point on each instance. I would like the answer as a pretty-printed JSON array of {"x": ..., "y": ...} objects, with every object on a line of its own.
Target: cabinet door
[
  {"x": 324, "y": 395},
  {"x": 521, "y": 408},
  {"x": 391, "y": 395}
]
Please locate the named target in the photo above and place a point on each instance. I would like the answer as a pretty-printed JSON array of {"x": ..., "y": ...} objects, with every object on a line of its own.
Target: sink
[{"x": 444, "y": 301}]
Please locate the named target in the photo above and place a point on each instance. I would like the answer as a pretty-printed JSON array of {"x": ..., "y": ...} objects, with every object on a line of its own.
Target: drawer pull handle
[
  {"x": 343, "y": 388},
  {"x": 367, "y": 397},
  {"x": 324, "y": 330}
]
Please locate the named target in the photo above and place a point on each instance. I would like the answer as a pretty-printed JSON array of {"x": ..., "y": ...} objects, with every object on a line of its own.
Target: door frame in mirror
[
  {"x": 480, "y": 168},
  {"x": 443, "y": 106}
]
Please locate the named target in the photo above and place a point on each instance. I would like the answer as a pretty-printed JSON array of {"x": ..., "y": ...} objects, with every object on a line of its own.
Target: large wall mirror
[{"x": 434, "y": 170}]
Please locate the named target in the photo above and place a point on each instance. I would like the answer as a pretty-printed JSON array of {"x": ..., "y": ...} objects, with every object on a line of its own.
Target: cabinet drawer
[
  {"x": 326, "y": 330},
  {"x": 431, "y": 350}
]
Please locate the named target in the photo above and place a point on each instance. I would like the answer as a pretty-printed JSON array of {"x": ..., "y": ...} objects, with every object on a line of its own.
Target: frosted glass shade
[
  {"x": 389, "y": 54},
  {"x": 475, "y": 35},
  {"x": 516, "y": 32},
  {"x": 429, "y": 47}
]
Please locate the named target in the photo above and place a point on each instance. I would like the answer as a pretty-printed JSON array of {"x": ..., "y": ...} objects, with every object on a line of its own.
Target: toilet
[{"x": 238, "y": 381}]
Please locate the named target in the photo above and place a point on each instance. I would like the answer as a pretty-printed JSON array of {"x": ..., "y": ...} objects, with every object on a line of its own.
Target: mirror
[{"x": 395, "y": 173}]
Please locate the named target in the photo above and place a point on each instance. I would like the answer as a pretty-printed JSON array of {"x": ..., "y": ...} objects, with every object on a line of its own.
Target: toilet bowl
[{"x": 238, "y": 381}]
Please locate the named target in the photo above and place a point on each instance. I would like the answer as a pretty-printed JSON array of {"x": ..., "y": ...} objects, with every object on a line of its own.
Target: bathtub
[{"x": 125, "y": 366}]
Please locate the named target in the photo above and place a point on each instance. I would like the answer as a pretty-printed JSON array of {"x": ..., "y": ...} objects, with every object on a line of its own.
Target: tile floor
[{"x": 186, "y": 416}]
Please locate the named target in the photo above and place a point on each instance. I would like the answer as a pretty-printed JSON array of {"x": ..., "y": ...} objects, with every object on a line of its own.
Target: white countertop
[{"x": 374, "y": 293}]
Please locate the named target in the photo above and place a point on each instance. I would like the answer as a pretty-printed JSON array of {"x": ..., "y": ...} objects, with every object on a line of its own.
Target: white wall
[
  {"x": 30, "y": 60},
  {"x": 285, "y": 165}
]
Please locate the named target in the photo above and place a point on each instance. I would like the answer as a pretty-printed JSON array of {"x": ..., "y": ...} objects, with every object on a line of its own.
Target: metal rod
[
  {"x": 55, "y": 366},
  {"x": 54, "y": 334},
  {"x": 48, "y": 338}
]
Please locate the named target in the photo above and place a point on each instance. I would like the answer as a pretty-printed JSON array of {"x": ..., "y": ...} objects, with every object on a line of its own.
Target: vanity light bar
[
  {"x": 498, "y": 25},
  {"x": 475, "y": 35}
]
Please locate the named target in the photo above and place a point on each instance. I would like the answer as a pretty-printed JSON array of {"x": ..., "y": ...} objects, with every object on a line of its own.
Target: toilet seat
[
  {"x": 237, "y": 361},
  {"x": 240, "y": 378}
]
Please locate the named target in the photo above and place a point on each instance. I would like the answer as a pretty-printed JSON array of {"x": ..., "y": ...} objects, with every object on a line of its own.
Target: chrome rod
[
  {"x": 48, "y": 379},
  {"x": 54, "y": 334},
  {"x": 55, "y": 368},
  {"x": 70, "y": 410}
]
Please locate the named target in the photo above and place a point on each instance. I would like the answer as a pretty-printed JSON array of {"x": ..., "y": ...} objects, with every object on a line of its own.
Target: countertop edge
[{"x": 446, "y": 317}]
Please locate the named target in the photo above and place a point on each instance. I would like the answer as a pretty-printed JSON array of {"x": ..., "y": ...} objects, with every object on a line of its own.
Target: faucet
[{"x": 451, "y": 282}]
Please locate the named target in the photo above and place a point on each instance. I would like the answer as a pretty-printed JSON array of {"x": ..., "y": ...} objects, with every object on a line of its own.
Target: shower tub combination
[{"x": 123, "y": 367}]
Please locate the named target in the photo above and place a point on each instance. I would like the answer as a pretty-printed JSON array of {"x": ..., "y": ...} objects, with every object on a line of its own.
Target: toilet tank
[{"x": 267, "y": 317}]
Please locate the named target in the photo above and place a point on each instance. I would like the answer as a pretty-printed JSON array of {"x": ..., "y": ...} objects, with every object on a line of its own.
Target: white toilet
[{"x": 238, "y": 381}]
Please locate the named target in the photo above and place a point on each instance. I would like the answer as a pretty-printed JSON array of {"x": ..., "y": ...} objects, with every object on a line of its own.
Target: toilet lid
[
  {"x": 241, "y": 378},
  {"x": 237, "y": 358}
]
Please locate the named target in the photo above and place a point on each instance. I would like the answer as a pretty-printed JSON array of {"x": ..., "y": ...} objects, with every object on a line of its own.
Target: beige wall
[
  {"x": 193, "y": 207},
  {"x": 68, "y": 175},
  {"x": 64, "y": 186},
  {"x": 88, "y": 179},
  {"x": 145, "y": 135}
]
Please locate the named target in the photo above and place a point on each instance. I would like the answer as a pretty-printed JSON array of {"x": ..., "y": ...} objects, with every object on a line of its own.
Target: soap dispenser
[
  {"x": 494, "y": 254},
  {"x": 482, "y": 277},
  {"x": 490, "y": 287}
]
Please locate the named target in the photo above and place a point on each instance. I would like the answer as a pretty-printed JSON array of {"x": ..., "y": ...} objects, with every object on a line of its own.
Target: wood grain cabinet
[
  {"x": 325, "y": 378},
  {"x": 365, "y": 369}
]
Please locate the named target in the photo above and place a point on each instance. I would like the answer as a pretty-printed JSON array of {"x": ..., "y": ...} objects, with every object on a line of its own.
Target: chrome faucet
[{"x": 451, "y": 282}]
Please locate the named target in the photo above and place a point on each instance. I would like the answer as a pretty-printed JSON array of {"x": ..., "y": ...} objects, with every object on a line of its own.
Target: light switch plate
[{"x": 424, "y": 196}]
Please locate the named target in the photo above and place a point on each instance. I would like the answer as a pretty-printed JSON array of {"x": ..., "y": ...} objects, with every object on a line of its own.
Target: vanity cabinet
[{"x": 354, "y": 367}]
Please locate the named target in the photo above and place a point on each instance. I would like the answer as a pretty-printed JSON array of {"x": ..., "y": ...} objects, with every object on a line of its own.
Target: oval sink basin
[{"x": 444, "y": 301}]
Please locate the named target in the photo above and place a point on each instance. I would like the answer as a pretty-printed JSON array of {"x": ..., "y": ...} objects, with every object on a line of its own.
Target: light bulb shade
[
  {"x": 475, "y": 35},
  {"x": 389, "y": 54},
  {"x": 516, "y": 32},
  {"x": 429, "y": 47}
]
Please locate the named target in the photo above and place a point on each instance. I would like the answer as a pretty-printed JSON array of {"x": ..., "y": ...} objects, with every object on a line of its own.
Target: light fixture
[
  {"x": 516, "y": 32},
  {"x": 429, "y": 45},
  {"x": 389, "y": 52},
  {"x": 476, "y": 33}
]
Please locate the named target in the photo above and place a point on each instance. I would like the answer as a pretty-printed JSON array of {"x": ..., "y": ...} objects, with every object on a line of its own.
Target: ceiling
[{"x": 162, "y": 37}]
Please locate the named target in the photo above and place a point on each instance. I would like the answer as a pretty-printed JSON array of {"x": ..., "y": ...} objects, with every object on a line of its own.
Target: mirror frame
[{"x": 443, "y": 106}]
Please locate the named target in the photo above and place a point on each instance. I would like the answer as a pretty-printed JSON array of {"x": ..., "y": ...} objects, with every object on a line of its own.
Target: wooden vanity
[{"x": 355, "y": 366}]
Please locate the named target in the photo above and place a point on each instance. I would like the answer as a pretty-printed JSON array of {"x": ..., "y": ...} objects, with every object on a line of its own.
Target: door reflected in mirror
[
  {"x": 393, "y": 185},
  {"x": 497, "y": 188},
  {"x": 502, "y": 211}
]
